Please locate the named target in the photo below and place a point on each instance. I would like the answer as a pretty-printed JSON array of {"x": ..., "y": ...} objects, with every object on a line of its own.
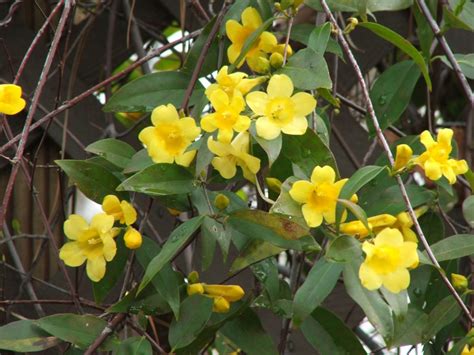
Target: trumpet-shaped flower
[
  {"x": 236, "y": 82},
  {"x": 11, "y": 101},
  {"x": 229, "y": 156},
  {"x": 238, "y": 34},
  {"x": 93, "y": 243},
  {"x": 357, "y": 228},
  {"x": 170, "y": 136},
  {"x": 402, "y": 157},
  {"x": 435, "y": 160},
  {"x": 318, "y": 196},
  {"x": 280, "y": 110},
  {"x": 132, "y": 238},
  {"x": 122, "y": 211},
  {"x": 222, "y": 295},
  {"x": 227, "y": 117},
  {"x": 387, "y": 261}
]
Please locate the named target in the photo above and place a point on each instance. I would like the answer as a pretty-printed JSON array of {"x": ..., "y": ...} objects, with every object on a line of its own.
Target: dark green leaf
[
  {"x": 24, "y": 336},
  {"x": 319, "y": 37},
  {"x": 301, "y": 33},
  {"x": 177, "y": 239},
  {"x": 152, "y": 90},
  {"x": 329, "y": 335},
  {"x": 465, "y": 61},
  {"x": 409, "y": 329},
  {"x": 266, "y": 272},
  {"x": 272, "y": 147},
  {"x": 356, "y": 210},
  {"x": 344, "y": 249},
  {"x": 444, "y": 313},
  {"x": 397, "y": 301},
  {"x": 468, "y": 210},
  {"x": 135, "y": 346},
  {"x": 319, "y": 283},
  {"x": 454, "y": 247},
  {"x": 116, "y": 151},
  {"x": 160, "y": 179},
  {"x": 362, "y": 6},
  {"x": 195, "y": 312},
  {"x": 140, "y": 161},
  {"x": 208, "y": 241},
  {"x": 253, "y": 252}
]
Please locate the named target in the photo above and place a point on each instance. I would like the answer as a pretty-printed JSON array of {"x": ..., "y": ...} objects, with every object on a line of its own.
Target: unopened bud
[
  {"x": 231, "y": 293},
  {"x": 221, "y": 201},
  {"x": 276, "y": 60},
  {"x": 273, "y": 184},
  {"x": 132, "y": 238},
  {"x": 459, "y": 282},
  {"x": 402, "y": 157},
  {"x": 193, "y": 277},
  {"x": 221, "y": 305},
  {"x": 195, "y": 289}
]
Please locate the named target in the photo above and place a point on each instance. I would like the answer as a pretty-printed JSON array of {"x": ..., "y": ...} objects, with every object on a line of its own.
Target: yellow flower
[
  {"x": 227, "y": 117},
  {"x": 122, "y": 211},
  {"x": 387, "y": 261},
  {"x": 229, "y": 156},
  {"x": 11, "y": 101},
  {"x": 94, "y": 243},
  {"x": 403, "y": 156},
  {"x": 404, "y": 224},
  {"x": 279, "y": 111},
  {"x": 459, "y": 282},
  {"x": 230, "y": 83},
  {"x": 357, "y": 228},
  {"x": 168, "y": 138},
  {"x": 435, "y": 160},
  {"x": 221, "y": 201},
  {"x": 467, "y": 350},
  {"x": 222, "y": 295},
  {"x": 238, "y": 34},
  {"x": 132, "y": 238},
  {"x": 318, "y": 196}
]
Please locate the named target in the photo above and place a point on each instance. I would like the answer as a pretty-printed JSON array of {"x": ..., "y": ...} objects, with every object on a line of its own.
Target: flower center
[
  {"x": 173, "y": 138},
  {"x": 440, "y": 153},
  {"x": 280, "y": 110},
  {"x": 226, "y": 119},
  {"x": 322, "y": 198},
  {"x": 385, "y": 259},
  {"x": 94, "y": 241}
]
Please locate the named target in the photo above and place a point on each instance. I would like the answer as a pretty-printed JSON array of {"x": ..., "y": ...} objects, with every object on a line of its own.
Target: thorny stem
[{"x": 386, "y": 147}]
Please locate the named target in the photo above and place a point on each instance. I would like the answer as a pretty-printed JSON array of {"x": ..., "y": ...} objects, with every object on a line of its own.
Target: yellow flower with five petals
[
  {"x": 318, "y": 196},
  {"x": 280, "y": 110},
  {"x": 11, "y": 101},
  {"x": 435, "y": 160},
  {"x": 92, "y": 242},
  {"x": 387, "y": 261},
  {"x": 231, "y": 155},
  {"x": 122, "y": 211},
  {"x": 227, "y": 117},
  {"x": 230, "y": 83},
  {"x": 170, "y": 136}
]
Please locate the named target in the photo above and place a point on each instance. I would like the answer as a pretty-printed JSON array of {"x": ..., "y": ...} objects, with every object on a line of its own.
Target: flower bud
[
  {"x": 195, "y": 289},
  {"x": 459, "y": 282},
  {"x": 221, "y": 305},
  {"x": 231, "y": 293},
  {"x": 173, "y": 212},
  {"x": 132, "y": 238},
  {"x": 273, "y": 184},
  {"x": 402, "y": 157},
  {"x": 221, "y": 201},
  {"x": 276, "y": 60},
  {"x": 193, "y": 277}
]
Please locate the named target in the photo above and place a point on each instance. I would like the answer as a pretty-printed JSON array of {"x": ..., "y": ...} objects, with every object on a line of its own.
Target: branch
[
  {"x": 116, "y": 320},
  {"x": 386, "y": 147}
]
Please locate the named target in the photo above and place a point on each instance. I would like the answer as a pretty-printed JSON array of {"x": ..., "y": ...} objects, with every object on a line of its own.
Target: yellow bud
[
  {"x": 273, "y": 184},
  {"x": 174, "y": 212},
  {"x": 221, "y": 305},
  {"x": 404, "y": 219},
  {"x": 354, "y": 198},
  {"x": 354, "y": 228},
  {"x": 276, "y": 60},
  {"x": 259, "y": 64},
  {"x": 195, "y": 289},
  {"x": 402, "y": 157},
  {"x": 132, "y": 238},
  {"x": 280, "y": 48},
  {"x": 382, "y": 220},
  {"x": 221, "y": 201},
  {"x": 193, "y": 277},
  {"x": 420, "y": 211},
  {"x": 459, "y": 282},
  {"x": 231, "y": 293}
]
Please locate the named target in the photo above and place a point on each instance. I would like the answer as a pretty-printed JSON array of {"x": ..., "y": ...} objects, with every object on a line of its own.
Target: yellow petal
[
  {"x": 132, "y": 238},
  {"x": 245, "y": 85},
  {"x": 147, "y": 135},
  {"x": 257, "y": 101},
  {"x": 251, "y": 18},
  {"x": 389, "y": 237},
  {"x": 233, "y": 53},
  {"x": 129, "y": 213},
  {"x": 102, "y": 222},
  {"x": 111, "y": 206},
  {"x": 225, "y": 135},
  {"x": 96, "y": 268},
  {"x": 194, "y": 289},
  {"x": 304, "y": 103},
  {"x": 233, "y": 30},
  {"x": 221, "y": 305},
  {"x": 266, "y": 128},
  {"x": 396, "y": 281},
  {"x": 296, "y": 127},
  {"x": 409, "y": 235},
  {"x": 330, "y": 216},
  {"x": 72, "y": 255},
  {"x": 426, "y": 139},
  {"x": 188, "y": 128},
  {"x": 312, "y": 217},
  {"x": 252, "y": 163},
  {"x": 109, "y": 248},
  {"x": 448, "y": 173},
  {"x": 382, "y": 220},
  {"x": 219, "y": 148},
  {"x": 75, "y": 226},
  {"x": 219, "y": 100},
  {"x": 408, "y": 254},
  {"x": 444, "y": 136},
  {"x": 231, "y": 293},
  {"x": 186, "y": 158},
  {"x": 369, "y": 278},
  {"x": 267, "y": 42},
  {"x": 403, "y": 156},
  {"x": 158, "y": 154},
  {"x": 164, "y": 114},
  {"x": 11, "y": 101},
  {"x": 369, "y": 249},
  {"x": 433, "y": 169},
  {"x": 280, "y": 85},
  {"x": 459, "y": 166},
  {"x": 242, "y": 124},
  {"x": 324, "y": 174},
  {"x": 208, "y": 123},
  {"x": 224, "y": 166},
  {"x": 301, "y": 191},
  {"x": 354, "y": 228},
  {"x": 241, "y": 143},
  {"x": 258, "y": 62}
]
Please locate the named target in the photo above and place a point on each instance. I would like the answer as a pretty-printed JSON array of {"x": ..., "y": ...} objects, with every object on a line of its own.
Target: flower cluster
[
  {"x": 94, "y": 242},
  {"x": 11, "y": 101}
]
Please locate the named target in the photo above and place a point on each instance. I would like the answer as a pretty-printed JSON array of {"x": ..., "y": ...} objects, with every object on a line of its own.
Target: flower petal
[
  {"x": 96, "y": 268},
  {"x": 208, "y": 122},
  {"x": 233, "y": 53},
  {"x": 186, "y": 158},
  {"x": 241, "y": 143},
  {"x": 251, "y": 162},
  {"x": 324, "y": 174},
  {"x": 109, "y": 248},
  {"x": 458, "y": 166},
  {"x": 72, "y": 255},
  {"x": 445, "y": 136},
  {"x": 158, "y": 154},
  {"x": 242, "y": 124},
  {"x": 102, "y": 222},
  {"x": 389, "y": 237},
  {"x": 164, "y": 114},
  {"x": 433, "y": 169},
  {"x": 267, "y": 129},
  {"x": 280, "y": 85},
  {"x": 219, "y": 100},
  {"x": 251, "y": 18},
  {"x": 74, "y": 226},
  {"x": 257, "y": 101},
  {"x": 267, "y": 42},
  {"x": 224, "y": 166},
  {"x": 233, "y": 30},
  {"x": 448, "y": 173},
  {"x": 396, "y": 281},
  {"x": 312, "y": 217},
  {"x": 225, "y": 135},
  {"x": 296, "y": 127},
  {"x": 147, "y": 135},
  {"x": 304, "y": 103},
  {"x": 426, "y": 139},
  {"x": 111, "y": 206},
  {"x": 188, "y": 128},
  {"x": 369, "y": 278},
  {"x": 301, "y": 191},
  {"x": 129, "y": 213},
  {"x": 409, "y": 254}
]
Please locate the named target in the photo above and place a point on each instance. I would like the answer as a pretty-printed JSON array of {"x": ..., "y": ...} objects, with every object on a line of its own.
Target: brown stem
[{"x": 116, "y": 320}]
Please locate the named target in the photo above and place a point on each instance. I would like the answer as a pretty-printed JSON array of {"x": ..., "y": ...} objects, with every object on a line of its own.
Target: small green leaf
[
  {"x": 177, "y": 239},
  {"x": 116, "y": 151},
  {"x": 319, "y": 283},
  {"x": 160, "y": 179},
  {"x": 362, "y": 7},
  {"x": 272, "y": 147},
  {"x": 319, "y": 37},
  {"x": 443, "y": 314},
  {"x": 464, "y": 13},
  {"x": 356, "y": 210},
  {"x": 465, "y": 61},
  {"x": 24, "y": 336},
  {"x": 454, "y": 247},
  {"x": 401, "y": 43},
  {"x": 468, "y": 210},
  {"x": 195, "y": 312},
  {"x": 134, "y": 346},
  {"x": 301, "y": 33},
  {"x": 344, "y": 249}
]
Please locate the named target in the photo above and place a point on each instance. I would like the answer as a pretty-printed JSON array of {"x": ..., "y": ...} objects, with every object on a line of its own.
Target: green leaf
[
  {"x": 76, "y": 329},
  {"x": 195, "y": 312},
  {"x": 376, "y": 310},
  {"x": 286, "y": 205},
  {"x": 402, "y": 44},
  {"x": 454, "y": 247},
  {"x": 329, "y": 335},
  {"x": 139, "y": 161},
  {"x": 468, "y": 210},
  {"x": 113, "y": 272},
  {"x": 170, "y": 62},
  {"x": 247, "y": 333},
  {"x": 443, "y": 314},
  {"x": 365, "y": 6},
  {"x": 208, "y": 241},
  {"x": 319, "y": 283},
  {"x": 134, "y": 346},
  {"x": 272, "y": 147},
  {"x": 266, "y": 272},
  {"x": 319, "y": 37},
  {"x": 465, "y": 61},
  {"x": 308, "y": 70},
  {"x": 152, "y": 90},
  {"x": 116, "y": 151},
  {"x": 464, "y": 13},
  {"x": 253, "y": 252},
  {"x": 344, "y": 249},
  {"x": 301, "y": 33},
  {"x": 94, "y": 180},
  {"x": 24, "y": 336},
  {"x": 160, "y": 179},
  {"x": 423, "y": 30},
  {"x": 392, "y": 93},
  {"x": 409, "y": 329},
  {"x": 356, "y": 210},
  {"x": 167, "y": 281},
  {"x": 177, "y": 239},
  {"x": 397, "y": 301}
]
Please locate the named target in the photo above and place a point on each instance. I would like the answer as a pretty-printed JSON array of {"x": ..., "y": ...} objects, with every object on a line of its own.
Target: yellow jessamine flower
[
  {"x": 11, "y": 101},
  {"x": 402, "y": 157},
  {"x": 223, "y": 295},
  {"x": 168, "y": 138},
  {"x": 435, "y": 160},
  {"x": 318, "y": 196},
  {"x": 230, "y": 83},
  {"x": 279, "y": 111},
  {"x": 357, "y": 228},
  {"x": 404, "y": 224},
  {"x": 94, "y": 243},
  {"x": 467, "y": 350},
  {"x": 229, "y": 156},
  {"x": 238, "y": 34},
  {"x": 122, "y": 211},
  {"x": 132, "y": 238},
  {"x": 387, "y": 261},
  {"x": 227, "y": 117}
]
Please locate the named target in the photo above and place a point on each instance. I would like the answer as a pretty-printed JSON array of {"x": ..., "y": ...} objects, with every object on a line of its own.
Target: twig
[
  {"x": 200, "y": 10},
  {"x": 386, "y": 147},
  {"x": 20, "y": 236},
  {"x": 146, "y": 335},
  {"x": 287, "y": 40},
  {"x": 34, "y": 302},
  {"x": 116, "y": 320},
  {"x": 7, "y": 19}
]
